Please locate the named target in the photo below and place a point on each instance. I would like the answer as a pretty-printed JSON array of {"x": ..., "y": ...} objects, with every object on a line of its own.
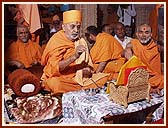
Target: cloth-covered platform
[
  {"x": 85, "y": 107},
  {"x": 80, "y": 107}
]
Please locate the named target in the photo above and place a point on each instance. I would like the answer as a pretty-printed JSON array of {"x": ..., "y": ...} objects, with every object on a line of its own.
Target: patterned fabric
[
  {"x": 84, "y": 107},
  {"x": 159, "y": 113}
]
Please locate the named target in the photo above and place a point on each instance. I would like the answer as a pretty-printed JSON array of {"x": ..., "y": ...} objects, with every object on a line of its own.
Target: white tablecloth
[{"x": 80, "y": 108}]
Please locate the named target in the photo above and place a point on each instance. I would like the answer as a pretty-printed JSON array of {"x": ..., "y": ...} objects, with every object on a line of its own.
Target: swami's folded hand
[{"x": 87, "y": 72}]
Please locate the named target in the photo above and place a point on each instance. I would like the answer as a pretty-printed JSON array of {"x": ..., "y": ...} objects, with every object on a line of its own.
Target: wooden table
[{"x": 134, "y": 117}]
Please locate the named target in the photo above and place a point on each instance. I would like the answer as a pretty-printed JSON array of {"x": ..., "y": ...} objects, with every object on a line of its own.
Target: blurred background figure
[
  {"x": 27, "y": 15},
  {"x": 120, "y": 35},
  {"x": 128, "y": 31},
  {"x": 127, "y": 14},
  {"x": 107, "y": 28},
  {"x": 105, "y": 53},
  {"x": 22, "y": 53},
  {"x": 56, "y": 24}
]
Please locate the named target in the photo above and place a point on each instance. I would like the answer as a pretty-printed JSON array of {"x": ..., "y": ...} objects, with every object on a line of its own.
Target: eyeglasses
[{"x": 56, "y": 22}]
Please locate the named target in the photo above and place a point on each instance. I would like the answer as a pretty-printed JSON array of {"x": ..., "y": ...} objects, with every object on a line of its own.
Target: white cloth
[
  {"x": 159, "y": 112},
  {"x": 125, "y": 42},
  {"x": 128, "y": 13},
  {"x": 79, "y": 107},
  {"x": 53, "y": 30}
]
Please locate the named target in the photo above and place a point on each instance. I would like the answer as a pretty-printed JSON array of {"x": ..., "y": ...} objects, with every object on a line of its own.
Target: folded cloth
[
  {"x": 85, "y": 57},
  {"x": 24, "y": 83},
  {"x": 133, "y": 63}
]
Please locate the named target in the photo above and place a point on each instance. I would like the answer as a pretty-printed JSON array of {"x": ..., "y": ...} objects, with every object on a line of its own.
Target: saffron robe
[
  {"x": 59, "y": 48},
  {"x": 150, "y": 56},
  {"x": 26, "y": 53},
  {"x": 107, "y": 48}
]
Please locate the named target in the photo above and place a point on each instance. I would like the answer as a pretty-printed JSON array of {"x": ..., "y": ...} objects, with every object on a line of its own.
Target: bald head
[
  {"x": 107, "y": 28},
  {"x": 22, "y": 26},
  {"x": 144, "y": 26},
  {"x": 118, "y": 24},
  {"x": 119, "y": 30}
]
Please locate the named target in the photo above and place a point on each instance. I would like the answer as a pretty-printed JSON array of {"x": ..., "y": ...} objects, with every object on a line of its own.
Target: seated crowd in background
[{"x": 61, "y": 60}]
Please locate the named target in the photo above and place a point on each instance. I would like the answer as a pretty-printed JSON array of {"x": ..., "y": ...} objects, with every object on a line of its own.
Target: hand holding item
[
  {"x": 128, "y": 53},
  {"x": 79, "y": 50}
]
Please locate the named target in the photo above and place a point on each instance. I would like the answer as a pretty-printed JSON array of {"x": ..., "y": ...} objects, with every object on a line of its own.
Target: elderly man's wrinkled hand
[
  {"x": 128, "y": 53},
  {"x": 79, "y": 50},
  {"x": 87, "y": 72}
]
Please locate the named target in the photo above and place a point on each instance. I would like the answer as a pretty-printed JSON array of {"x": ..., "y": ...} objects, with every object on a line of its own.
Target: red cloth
[
  {"x": 160, "y": 121},
  {"x": 128, "y": 71}
]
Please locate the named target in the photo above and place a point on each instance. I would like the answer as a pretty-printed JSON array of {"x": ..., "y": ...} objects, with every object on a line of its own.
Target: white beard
[
  {"x": 74, "y": 37},
  {"x": 145, "y": 41}
]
